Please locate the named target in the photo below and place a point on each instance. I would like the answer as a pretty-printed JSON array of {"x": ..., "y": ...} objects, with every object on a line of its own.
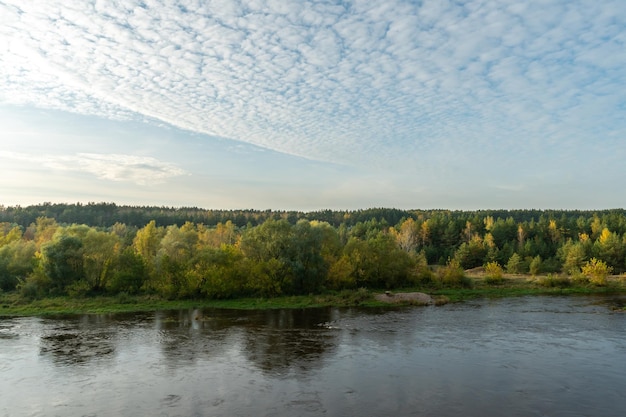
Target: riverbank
[{"x": 12, "y": 304}]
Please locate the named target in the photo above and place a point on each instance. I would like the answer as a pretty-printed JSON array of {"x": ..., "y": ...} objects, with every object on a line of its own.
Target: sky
[{"x": 308, "y": 105}]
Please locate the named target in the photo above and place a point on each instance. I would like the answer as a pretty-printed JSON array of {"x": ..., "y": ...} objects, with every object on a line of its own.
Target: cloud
[
  {"x": 365, "y": 83},
  {"x": 140, "y": 170}
]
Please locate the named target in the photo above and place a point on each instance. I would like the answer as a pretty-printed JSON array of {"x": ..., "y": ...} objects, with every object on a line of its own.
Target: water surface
[{"x": 531, "y": 356}]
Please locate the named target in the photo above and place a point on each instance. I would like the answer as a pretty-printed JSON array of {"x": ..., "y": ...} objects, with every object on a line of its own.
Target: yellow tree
[
  {"x": 407, "y": 236},
  {"x": 597, "y": 271}
]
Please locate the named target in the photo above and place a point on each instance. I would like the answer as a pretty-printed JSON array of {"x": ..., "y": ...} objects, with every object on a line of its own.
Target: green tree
[
  {"x": 515, "y": 264},
  {"x": 609, "y": 248},
  {"x": 379, "y": 263},
  {"x": 535, "y": 265},
  {"x": 63, "y": 261},
  {"x": 100, "y": 252},
  {"x": 16, "y": 263},
  {"x": 309, "y": 268},
  {"x": 218, "y": 273},
  {"x": 573, "y": 256},
  {"x": 130, "y": 273},
  {"x": 472, "y": 254},
  {"x": 146, "y": 244}
]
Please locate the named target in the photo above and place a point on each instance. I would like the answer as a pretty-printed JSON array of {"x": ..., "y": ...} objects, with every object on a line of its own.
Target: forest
[{"x": 103, "y": 248}]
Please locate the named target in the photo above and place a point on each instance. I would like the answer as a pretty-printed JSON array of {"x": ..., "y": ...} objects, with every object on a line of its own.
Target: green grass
[
  {"x": 12, "y": 304},
  {"x": 525, "y": 287}
]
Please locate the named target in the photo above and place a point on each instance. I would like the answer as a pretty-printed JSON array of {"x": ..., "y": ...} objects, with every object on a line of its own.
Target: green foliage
[
  {"x": 610, "y": 248},
  {"x": 515, "y": 264},
  {"x": 422, "y": 274},
  {"x": 37, "y": 283},
  {"x": 473, "y": 253},
  {"x": 341, "y": 274},
  {"x": 63, "y": 261},
  {"x": 79, "y": 289},
  {"x": 218, "y": 273},
  {"x": 555, "y": 281},
  {"x": 192, "y": 253},
  {"x": 378, "y": 262},
  {"x": 130, "y": 273},
  {"x": 535, "y": 265},
  {"x": 452, "y": 275}
]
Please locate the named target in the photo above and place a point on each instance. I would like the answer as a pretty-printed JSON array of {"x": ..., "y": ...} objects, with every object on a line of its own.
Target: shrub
[
  {"x": 514, "y": 265},
  {"x": 494, "y": 274},
  {"x": 597, "y": 271},
  {"x": 555, "y": 281},
  {"x": 452, "y": 275},
  {"x": 36, "y": 285},
  {"x": 535, "y": 265},
  {"x": 78, "y": 289},
  {"x": 577, "y": 276}
]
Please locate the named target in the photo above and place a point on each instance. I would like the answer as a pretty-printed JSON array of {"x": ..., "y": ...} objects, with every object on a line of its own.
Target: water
[{"x": 534, "y": 356}]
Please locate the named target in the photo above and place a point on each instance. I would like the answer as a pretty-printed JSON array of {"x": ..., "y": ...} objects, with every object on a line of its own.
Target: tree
[
  {"x": 63, "y": 261},
  {"x": 130, "y": 273},
  {"x": 100, "y": 252},
  {"x": 341, "y": 274},
  {"x": 472, "y": 254},
  {"x": 378, "y": 262},
  {"x": 407, "y": 237},
  {"x": 610, "y": 249},
  {"x": 514, "y": 265},
  {"x": 146, "y": 244},
  {"x": 535, "y": 265},
  {"x": 218, "y": 273},
  {"x": 573, "y": 255},
  {"x": 493, "y": 273},
  {"x": 597, "y": 271},
  {"x": 16, "y": 263}
]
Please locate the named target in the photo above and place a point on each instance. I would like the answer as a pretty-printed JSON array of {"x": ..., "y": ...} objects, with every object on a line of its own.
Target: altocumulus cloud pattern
[{"x": 341, "y": 81}]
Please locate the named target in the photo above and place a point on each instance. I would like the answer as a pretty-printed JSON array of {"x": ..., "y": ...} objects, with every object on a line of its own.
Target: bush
[
  {"x": 36, "y": 285},
  {"x": 494, "y": 274},
  {"x": 597, "y": 271},
  {"x": 452, "y": 275},
  {"x": 555, "y": 281},
  {"x": 78, "y": 289},
  {"x": 535, "y": 265},
  {"x": 578, "y": 277}
]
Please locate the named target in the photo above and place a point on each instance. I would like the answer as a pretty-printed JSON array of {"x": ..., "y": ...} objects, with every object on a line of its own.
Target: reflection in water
[
  {"x": 280, "y": 340},
  {"x": 76, "y": 341},
  {"x": 534, "y": 356},
  {"x": 274, "y": 340}
]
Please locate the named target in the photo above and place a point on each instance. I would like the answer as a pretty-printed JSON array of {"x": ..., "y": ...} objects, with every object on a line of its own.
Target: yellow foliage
[{"x": 597, "y": 271}]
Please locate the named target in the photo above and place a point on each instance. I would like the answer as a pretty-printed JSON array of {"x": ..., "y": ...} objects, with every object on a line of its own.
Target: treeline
[
  {"x": 107, "y": 214},
  {"x": 273, "y": 253}
]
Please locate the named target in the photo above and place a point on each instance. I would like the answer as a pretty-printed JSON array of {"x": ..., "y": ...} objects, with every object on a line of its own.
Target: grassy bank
[{"x": 12, "y": 304}]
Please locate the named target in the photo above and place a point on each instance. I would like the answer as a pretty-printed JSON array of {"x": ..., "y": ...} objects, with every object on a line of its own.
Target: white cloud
[
  {"x": 140, "y": 170},
  {"x": 367, "y": 83}
]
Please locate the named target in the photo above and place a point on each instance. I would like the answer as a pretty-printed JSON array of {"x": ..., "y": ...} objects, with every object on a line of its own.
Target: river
[{"x": 529, "y": 356}]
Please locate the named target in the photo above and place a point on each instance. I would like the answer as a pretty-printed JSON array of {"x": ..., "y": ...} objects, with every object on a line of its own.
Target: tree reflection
[
  {"x": 282, "y": 341},
  {"x": 186, "y": 336},
  {"x": 77, "y": 341}
]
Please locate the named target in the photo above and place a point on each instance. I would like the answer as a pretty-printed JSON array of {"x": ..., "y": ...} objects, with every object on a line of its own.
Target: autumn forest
[{"x": 103, "y": 248}]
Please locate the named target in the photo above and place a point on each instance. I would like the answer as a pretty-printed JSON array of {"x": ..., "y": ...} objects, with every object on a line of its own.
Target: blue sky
[{"x": 314, "y": 104}]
